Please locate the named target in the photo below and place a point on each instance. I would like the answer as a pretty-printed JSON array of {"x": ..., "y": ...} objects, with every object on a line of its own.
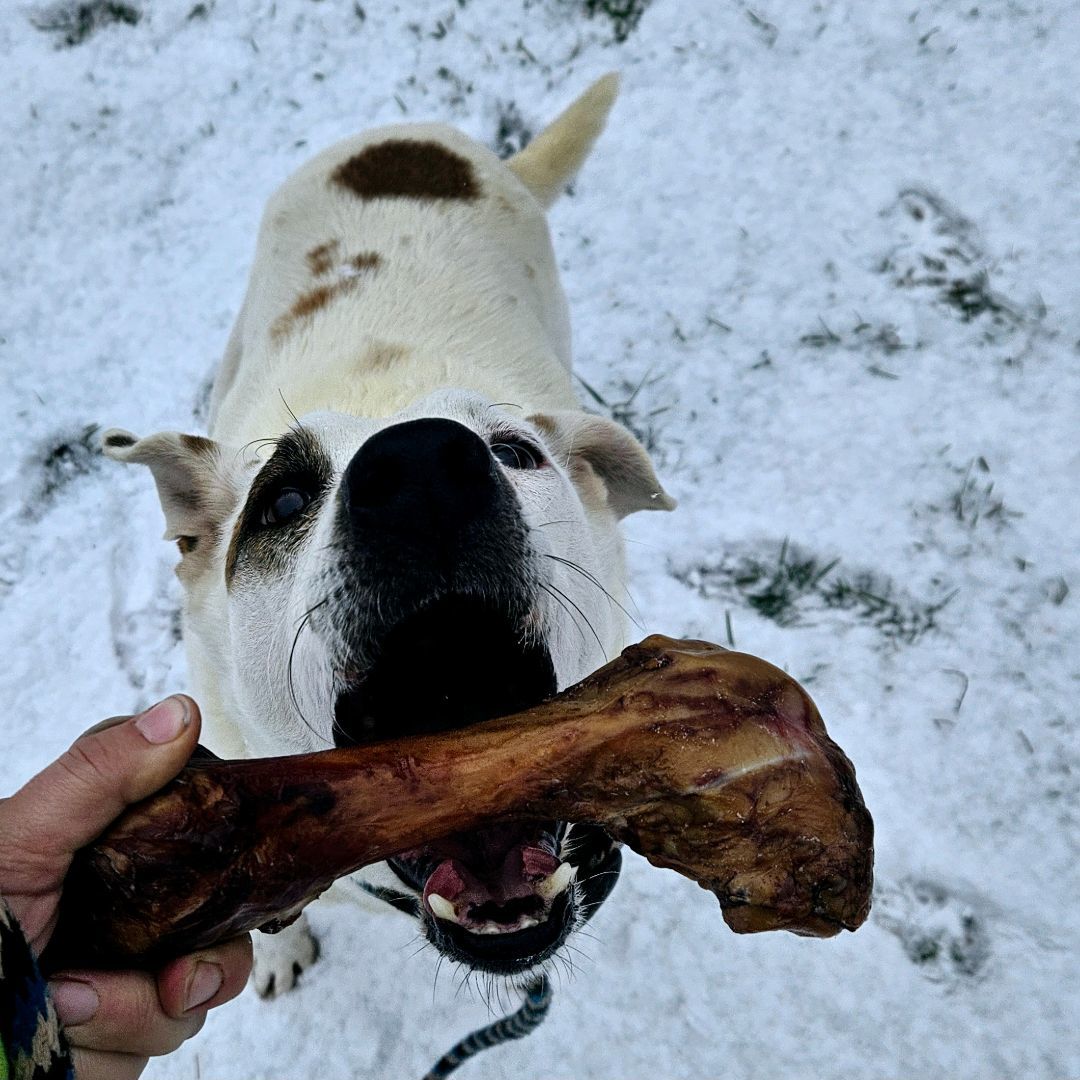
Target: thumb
[{"x": 107, "y": 769}]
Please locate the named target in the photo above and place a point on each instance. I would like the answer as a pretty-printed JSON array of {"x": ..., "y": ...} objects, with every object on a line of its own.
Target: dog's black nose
[{"x": 424, "y": 480}]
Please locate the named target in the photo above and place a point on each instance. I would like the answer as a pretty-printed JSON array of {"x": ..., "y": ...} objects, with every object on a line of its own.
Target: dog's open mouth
[{"x": 504, "y": 898}]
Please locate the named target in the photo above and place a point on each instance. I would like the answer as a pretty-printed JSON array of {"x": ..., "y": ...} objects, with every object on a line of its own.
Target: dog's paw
[{"x": 280, "y": 958}]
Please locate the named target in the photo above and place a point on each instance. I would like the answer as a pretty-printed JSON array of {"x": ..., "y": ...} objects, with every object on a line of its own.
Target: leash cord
[{"x": 517, "y": 1025}]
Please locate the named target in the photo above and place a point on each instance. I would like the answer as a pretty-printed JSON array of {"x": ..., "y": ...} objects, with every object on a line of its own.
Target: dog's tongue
[{"x": 523, "y": 868}]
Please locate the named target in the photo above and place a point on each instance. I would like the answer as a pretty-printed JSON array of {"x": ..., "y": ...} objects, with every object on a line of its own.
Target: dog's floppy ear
[
  {"x": 198, "y": 489},
  {"x": 596, "y": 450}
]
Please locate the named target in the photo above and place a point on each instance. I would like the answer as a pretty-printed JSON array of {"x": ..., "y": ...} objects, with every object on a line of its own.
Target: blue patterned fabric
[{"x": 30, "y": 1033}]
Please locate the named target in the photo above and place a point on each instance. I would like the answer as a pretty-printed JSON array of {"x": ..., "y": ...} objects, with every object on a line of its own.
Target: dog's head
[{"x": 356, "y": 580}]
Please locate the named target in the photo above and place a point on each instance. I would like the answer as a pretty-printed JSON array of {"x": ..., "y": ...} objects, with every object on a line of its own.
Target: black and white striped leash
[{"x": 517, "y": 1025}]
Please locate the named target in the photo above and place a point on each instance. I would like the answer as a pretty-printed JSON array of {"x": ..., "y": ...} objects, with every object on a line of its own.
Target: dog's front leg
[{"x": 281, "y": 957}]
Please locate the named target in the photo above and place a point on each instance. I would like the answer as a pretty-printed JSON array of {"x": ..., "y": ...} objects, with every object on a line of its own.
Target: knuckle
[
  {"x": 86, "y": 762},
  {"x": 148, "y": 1030},
  {"x": 141, "y": 1013}
]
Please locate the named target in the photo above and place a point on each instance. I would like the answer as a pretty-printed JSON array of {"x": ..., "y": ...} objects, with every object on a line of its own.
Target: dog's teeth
[
  {"x": 551, "y": 886},
  {"x": 490, "y": 927},
  {"x": 441, "y": 907}
]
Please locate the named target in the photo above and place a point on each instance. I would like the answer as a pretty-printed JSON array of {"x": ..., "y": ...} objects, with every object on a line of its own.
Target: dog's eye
[
  {"x": 517, "y": 454},
  {"x": 284, "y": 505}
]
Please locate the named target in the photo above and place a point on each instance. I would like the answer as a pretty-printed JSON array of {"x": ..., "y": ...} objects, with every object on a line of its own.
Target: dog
[{"x": 402, "y": 521}]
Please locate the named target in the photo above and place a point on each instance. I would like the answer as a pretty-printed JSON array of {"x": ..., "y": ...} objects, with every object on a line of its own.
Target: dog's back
[{"x": 403, "y": 260}]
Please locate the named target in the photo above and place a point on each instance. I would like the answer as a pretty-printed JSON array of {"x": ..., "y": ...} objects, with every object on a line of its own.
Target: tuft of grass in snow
[
  {"x": 941, "y": 250},
  {"x": 974, "y": 500},
  {"x": 972, "y": 296},
  {"x": 624, "y": 14},
  {"x": 459, "y": 88},
  {"x": 819, "y": 339},
  {"x": 869, "y": 338},
  {"x": 774, "y": 589},
  {"x": 512, "y": 134},
  {"x": 74, "y": 455},
  {"x": 636, "y": 415},
  {"x": 75, "y": 22},
  {"x": 874, "y": 599},
  {"x": 794, "y": 583},
  {"x": 769, "y": 31},
  {"x": 883, "y": 336}
]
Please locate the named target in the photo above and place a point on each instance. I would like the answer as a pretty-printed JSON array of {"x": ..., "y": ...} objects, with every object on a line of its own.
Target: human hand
[{"x": 114, "y": 1020}]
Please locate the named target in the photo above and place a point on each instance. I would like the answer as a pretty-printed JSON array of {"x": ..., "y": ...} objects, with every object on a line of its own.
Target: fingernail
[
  {"x": 76, "y": 1002},
  {"x": 165, "y": 721},
  {"x": 205, "y": 983}
]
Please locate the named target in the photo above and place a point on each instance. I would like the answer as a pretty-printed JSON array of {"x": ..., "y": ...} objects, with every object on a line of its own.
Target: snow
[{"x": 761, "y": 259}]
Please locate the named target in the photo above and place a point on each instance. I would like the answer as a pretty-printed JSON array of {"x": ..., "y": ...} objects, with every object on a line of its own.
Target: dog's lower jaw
[
  {"x": 522, "y": 908},
  {"x": 510, "y": 954}
]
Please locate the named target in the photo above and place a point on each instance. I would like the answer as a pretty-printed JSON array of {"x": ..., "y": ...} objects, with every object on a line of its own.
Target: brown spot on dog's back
[
  {"x": 187, "y": 544},
  {"x": 311, "y": 302},
  {"x": 406, "y": 169},
  {"x": 350, "y": 274},
  {"x": 306, "y": 304},
  {"x": 366, "y": 260},
  {"x": 381, "y": 356},
  {"x": 320, "y": 259}
]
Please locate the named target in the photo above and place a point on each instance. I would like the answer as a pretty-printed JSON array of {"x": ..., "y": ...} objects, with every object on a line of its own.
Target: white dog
[{"x": 403, "y": 521}]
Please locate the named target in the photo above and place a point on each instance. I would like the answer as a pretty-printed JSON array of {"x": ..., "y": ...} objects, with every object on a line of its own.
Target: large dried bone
[{"x": 709, "y": 762}]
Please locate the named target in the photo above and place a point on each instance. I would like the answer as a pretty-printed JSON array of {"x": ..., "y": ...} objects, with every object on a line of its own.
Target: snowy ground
[{"x": 825, "y": 263}]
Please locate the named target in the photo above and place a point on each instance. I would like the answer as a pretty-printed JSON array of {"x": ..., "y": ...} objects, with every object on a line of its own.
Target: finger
[
  {"x": 119, "y": 1012},
  {"x": 205, "y": 979},
  {"x": 72, "y": 800},
  {"x": 96, "y": 1065}
]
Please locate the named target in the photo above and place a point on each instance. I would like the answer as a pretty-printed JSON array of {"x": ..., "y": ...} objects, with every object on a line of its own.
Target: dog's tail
[{"x": 550, "y": 161}]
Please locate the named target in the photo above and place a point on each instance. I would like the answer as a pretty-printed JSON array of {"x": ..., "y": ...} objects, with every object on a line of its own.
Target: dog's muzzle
[{"x": 438, "y": 588}]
